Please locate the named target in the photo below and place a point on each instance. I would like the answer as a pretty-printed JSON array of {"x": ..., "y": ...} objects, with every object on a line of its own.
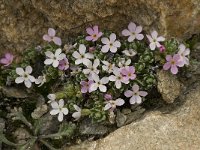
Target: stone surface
[
  {"x": 23, "y": 26},
  {"x": 168, "y": 86},
  {"x": 2, "y": 126},
  {"x": 174, "y": 131}
]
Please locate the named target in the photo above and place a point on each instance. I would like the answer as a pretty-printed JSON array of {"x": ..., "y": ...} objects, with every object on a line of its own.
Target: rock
[
  {"x": 176, "y": 130},
  {"x": 2, "y": 126},
  {"x": 88, "y": 127},
  {"x": 26, "y": 23},
  {"x": 168, "y": 86},
  {"x": 39, "y": 111},
  {"x": 21, "y": 135},
  {"x": 13, "y": 92},
  {"x": 126, "y": 111},
  {"x": 133, "y": 116},
  {"x": 120, "y": 119}
]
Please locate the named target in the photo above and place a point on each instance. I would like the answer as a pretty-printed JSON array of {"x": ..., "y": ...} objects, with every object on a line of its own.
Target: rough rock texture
[
  {"x": 24, "y": 24},
  {"x": 168, "y": 86},
  {"x": 174, "y": 131}
]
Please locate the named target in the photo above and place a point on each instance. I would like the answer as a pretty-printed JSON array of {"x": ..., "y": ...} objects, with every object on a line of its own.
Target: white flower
[
  {"x": 154, "y": 40},
  {"x": 108, "y": 67},
  {"x": 82, "y": 56},
  {"x": 54, "y": 58},
  {"x": 133, "y": 32},
  {"x": 92, "y": 68},
  {"x": 118, "y": 78},
  {"x": 77, "y": 114},
  {"x": 51, "y": 97},
  {"x": 24, "y": 76},
  {"x": 129, "y": 52},
  {"x": 58, "y": 108},
  {"x": 40, "y": 80},
  {"x": 99, "y": 83},
  {"x": 135, "y": 94},
  {"x": 112, "y": 104},
  {"x": 123, "y": 62},
  {"x": 183, "y": 52},
  {"x": 110, "y": 44}
]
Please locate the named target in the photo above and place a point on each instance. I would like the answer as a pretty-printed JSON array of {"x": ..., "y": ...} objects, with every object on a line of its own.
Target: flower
[
  {"x": 110, "y": 44},
  {"x": 85, "y": 86},
  {"x": 128, "y": 72},
  {"x": 118, "y": 78},
  {"x": 51, "y": 97},
  {"x": 77, "y": 114},
  {"x": 7, "y": 60},
  {"x": 173, "y": 63},
  {"x": 92, "y": 68},
  {"x": 123, "y": 62},
  {"x": 24, "y": 76},
  {"x": 63, "y": 64},
  {"x": 129, "y": 52},
  {"x": 154, "y": 40},
  {"x": 54, "y": 58},
  {"x": 81, "y": 56},
  {"x": 108, "y": 67},
  {"x": 162, "y": 48},
  {"x": 107, "y": 96},
  {"x": 40, "y": 80},
  {"x": 112, "y": 104},
  {"x": 94, "y": 34},
  {"x": 133, "y": 32},
  {"x": 183, "y": 52},
  {"x": 99, "y": 83},
  {"x": 135, "y": 94},
  {"x": 58, "y": 108},
  {"x": 51, "y": 37}
]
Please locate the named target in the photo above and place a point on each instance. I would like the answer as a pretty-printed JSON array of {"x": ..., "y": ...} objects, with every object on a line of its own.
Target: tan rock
[
  {"x": 156, "y": 131},
  {"x": 23, "y": 26},
  {"x": 168, "y": 86}
]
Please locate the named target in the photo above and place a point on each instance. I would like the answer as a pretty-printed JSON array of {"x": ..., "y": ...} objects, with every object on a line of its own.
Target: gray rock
[
  {"x": 28, "y": 21},
  {"x": 13, "y": 92},
  {"x": 133, "y": 116},
  {"x": 156, "y": 131},
  {"x": 2, "y": 126},
  {"x": 88, "y": 127},
  {"x": 120, "y": 119},
  {"x": 168, "y": 86}
]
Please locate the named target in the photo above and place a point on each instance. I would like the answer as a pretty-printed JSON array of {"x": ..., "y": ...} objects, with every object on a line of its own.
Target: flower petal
[
  {"x": 65, "y": 111},
  {"x": 113, "y": 49},
  {"x": 47, "y": 38},
  {"x": 90, "y": 31},
  {"x": 27, "y": 83},
  {"x": 135, "y": 88},
  {"x": 19, "y": 80},
  {"x": 77, "y": 108},
  {"x": 58, "y": 52},
  {"x": 48, "y": 61},
  {"x": 20, "y": 71},
  {"x": 105, "y": 48},
  {"x": 166, "y": 66},
  {"x": 152, "y": 46},
  {"x": 139, "y": 36},
  {"x": 60, "y": 116},
  {"x": 174, "y": 69},
  {"x": 61, "y": 103},
  {"x": 143, "y": 93},
  {"x": 82, "y": 49},
  {"x": 104, "y": 80},
  {"x": 57, "y": 41},
  {"x": 138, "y": 100},
  {"x": 54, "y": 111},
  {"x": 105, "y": 41},
  {"x": 51, "y": 32},
  {"x": 54, "y": 105},
  {"x": 49, "y": 54},
  {"x": 55, "y": 63},
  {"x": 119, "y": 102},
  {"x": 28, "y": 69},
  {"x": 154, "y": 34},
  {"x": 76, "y": 115},
  {"x": 128, "y": 93},
  {"x": 132, "y": 99},
  {"x": 126, "y": 32},
  {"x": 132, "y": 27},
  {"x": 31, "y": 78},
  {"x": 102, "y": 88},
  {"x": 51, "y": 97},
  {"x": 116, "y": 44},
  {"x": 131, "y": 38},
  {"x": 94, "y": 87},
  {"x": 76, "y": 55},
  {"x": 107, "y": 106},
  {"x": 112, "y": 37}
]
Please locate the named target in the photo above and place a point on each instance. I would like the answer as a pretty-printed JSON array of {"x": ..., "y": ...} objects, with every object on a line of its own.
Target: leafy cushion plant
[{"x": 93, "y": 77}]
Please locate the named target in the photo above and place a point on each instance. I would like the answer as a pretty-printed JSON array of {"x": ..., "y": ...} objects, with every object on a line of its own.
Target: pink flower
[
  {"x": 173, "y": 63},
  {"x": 7, "y": 60},
  {"x": 63, "y": 64},
  {"x": 135, "y": 94},
  {"x": 133, "y": 32},
  {"x": 107, "y": 96},
  {"x": 85, "y": 86},
  {"x": 91, "y": 49},
  {"x": 162, "y": 48},
  {"x": 51, "y": 37},
  {"x": 94, "y": 34},
  {"x": 155, "y": 40},
  {"x": 184, "y": 52},
  {"x": 128, "y": 72}
]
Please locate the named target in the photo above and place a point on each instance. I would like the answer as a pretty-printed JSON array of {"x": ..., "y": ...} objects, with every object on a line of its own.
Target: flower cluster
[{"x": 100, "y": 71}]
